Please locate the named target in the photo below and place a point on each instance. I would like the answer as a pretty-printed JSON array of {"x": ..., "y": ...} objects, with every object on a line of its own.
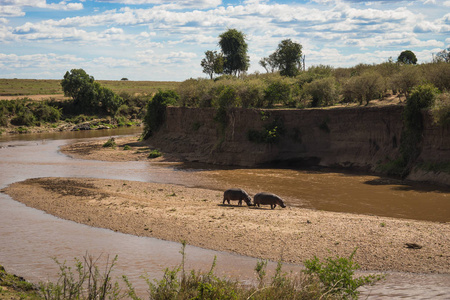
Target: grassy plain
[{"x": 25, "y": 87}]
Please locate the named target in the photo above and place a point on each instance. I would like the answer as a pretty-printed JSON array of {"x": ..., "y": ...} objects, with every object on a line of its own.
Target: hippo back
[{"x": 268, "y": 199}]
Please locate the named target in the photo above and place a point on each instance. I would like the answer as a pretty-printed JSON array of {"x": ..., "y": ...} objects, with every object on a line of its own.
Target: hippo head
[
  {"x": 248, "y": 200},
  {"x": 282, "y": 204}
]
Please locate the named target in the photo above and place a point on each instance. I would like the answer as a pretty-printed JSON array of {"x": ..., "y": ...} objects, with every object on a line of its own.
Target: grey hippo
[
  {"x": 268, "y": 199},
  {"x": 237, "y": 194}
]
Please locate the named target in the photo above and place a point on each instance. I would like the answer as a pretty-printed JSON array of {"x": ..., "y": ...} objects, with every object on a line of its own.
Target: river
[{"x": 29, "y": 238}]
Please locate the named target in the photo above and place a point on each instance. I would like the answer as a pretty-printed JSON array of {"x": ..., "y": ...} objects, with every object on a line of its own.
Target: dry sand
[{"x": 176, "y": 213}]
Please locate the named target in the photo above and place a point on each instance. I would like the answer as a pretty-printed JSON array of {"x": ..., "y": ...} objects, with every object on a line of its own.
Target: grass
[
  {"x": 14, "y": 287},
  {"x": 21, "y": 87},
  {"x": 332, "y": 278}
]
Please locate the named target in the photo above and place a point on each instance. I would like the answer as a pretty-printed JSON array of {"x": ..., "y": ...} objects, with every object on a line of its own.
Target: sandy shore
[{"x": 176, "y": 213}]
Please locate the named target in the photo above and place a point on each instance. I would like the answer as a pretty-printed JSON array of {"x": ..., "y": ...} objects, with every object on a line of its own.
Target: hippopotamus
[
  {"x": 268, "y": 199},
  {"x": 237, "y": 194}
]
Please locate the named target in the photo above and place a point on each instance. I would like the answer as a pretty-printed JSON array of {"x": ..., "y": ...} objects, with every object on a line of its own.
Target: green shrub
[
  {"x": 24, "y": 118},
  {"x": 156, "y": 111},
  {"x": 441, "y": 109},
  {"x": 408, "y": 77},
  {"x": 322, "y": 91},
  {"x": 278, "y": 92},
  {"x": 336, "y": 275},
  {"x": 46, "y": 113},
  {"x": 110, "y": 143},
  {"x": 270, "y": 134},
  {"x": 126, "y": 147},
  {"x": 154, "y": 154}
]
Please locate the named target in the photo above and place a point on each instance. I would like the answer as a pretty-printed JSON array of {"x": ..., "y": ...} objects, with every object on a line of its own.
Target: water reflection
[{"x": 29, "y": 238}]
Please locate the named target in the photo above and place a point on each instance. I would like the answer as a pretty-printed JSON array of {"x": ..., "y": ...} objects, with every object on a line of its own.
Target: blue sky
[{"x": 166, "y": 40}]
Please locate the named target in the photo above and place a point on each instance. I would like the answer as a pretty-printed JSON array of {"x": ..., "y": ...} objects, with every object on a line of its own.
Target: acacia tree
[
  {"x": 288, "y": 57},
  {"x": 442, "y": 56},
  {"x": 212, "y": 63},
  {"x": 407, "y": 57},
  {"x": 234, "y": 49},
  {"x": 269, "y": 63}
]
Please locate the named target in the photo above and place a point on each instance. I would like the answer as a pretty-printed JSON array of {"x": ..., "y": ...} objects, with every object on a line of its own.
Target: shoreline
[{"x": 196, "y": 215}]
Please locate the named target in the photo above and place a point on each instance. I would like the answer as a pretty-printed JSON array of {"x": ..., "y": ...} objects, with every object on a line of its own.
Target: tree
[
  {"x": 269, "y": 63},
  {"x": 74, "y": 81},
  {"x": 288, "y": 57},
  {"x": 407, "y": 57},
  {"x": 234, "y": 49},
  {"x": 88, "y": 95},
  {"x": 212, "y": 63},
  {"x": 442, "y": 56}
]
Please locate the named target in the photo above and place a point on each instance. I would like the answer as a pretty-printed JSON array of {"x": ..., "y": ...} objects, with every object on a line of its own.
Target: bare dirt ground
[
  {"x": 176, "y": 213},
  {"x": 57, "y": 97}
]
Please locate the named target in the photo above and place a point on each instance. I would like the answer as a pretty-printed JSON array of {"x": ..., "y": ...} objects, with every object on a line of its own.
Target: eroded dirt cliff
[{"x": 361, "y": 138}]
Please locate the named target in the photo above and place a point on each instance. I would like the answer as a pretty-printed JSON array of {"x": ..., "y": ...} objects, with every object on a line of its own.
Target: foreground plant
[
  {"x": 85, "y": 282},
  {"x": 337, "y": 275}
]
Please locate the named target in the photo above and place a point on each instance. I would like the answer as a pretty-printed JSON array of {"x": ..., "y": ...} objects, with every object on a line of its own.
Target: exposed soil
[{"x": 176, "y": 213}]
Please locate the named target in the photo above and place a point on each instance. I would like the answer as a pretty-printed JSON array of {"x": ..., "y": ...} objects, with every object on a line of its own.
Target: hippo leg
[
  {"x": 272, "y": 206},
  {"x": 240, "y": 202}
]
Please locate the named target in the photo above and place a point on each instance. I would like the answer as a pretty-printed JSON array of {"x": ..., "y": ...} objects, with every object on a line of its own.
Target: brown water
[{"x": 29, "y": 238}]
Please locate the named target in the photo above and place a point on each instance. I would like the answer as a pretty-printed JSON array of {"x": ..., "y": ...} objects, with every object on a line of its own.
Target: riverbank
[{"x": 176, "y": 213}]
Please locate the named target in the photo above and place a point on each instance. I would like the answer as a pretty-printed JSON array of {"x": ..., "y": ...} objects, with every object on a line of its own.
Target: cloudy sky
[{"x": 166, "y": 39}]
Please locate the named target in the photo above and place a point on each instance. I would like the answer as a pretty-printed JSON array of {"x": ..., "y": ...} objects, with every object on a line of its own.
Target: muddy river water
[{"x": 29, "y": 238}]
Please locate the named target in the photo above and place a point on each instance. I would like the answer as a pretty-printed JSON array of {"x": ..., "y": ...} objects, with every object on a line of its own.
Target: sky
[{"x": 163, "y": 40}]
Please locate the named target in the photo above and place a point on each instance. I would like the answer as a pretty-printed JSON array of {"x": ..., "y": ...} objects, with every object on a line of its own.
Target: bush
[
  {"x": 278, "y": 92},
  {"x": 47, "y": 113},
  {"x": 336, "y": 275},
  {"x": 322, "y": 91},
  {"x": 363, "y": 88},
  {"x": 156, "y": 111},
  {"x": 441, "y": 109},
  {"x": 24, "y": 118},
  {"x": 154, "y": 154},
  {"x": 408, "y": 77},
  {"x": 110, "y": 143}
]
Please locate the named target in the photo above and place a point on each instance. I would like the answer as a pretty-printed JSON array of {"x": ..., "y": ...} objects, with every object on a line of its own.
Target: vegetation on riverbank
[{"x": 331, "y": 279}]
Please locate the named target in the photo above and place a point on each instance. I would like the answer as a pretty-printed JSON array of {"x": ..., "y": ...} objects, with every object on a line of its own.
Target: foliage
[
  {"x": 269, "y": 63},
  {"x": 24, "y": 112},
  {"x": 322, "y": 91},
  {"x": 406, "y": 79},
  {"x": 154, "y": 153},
  {"x": 156, "y": 111},
  {"x": 407, "y": 57},
  {"x": 270, "y": 134},
  {"x": 442, "y": 56},
  {"x": 88, "y": 95},
  {"x": 363, "y": 88},
  {"x": 16, "y": 287},
  {"x": 212, "y": 63},
  {"x": 278, "y": 91},
  {"x": 288, "y": 57},
  {"x": 441, "y": 109},
  {"x": 336, "y": 275},
  {"x": 234, "y": 49},
  {"x": 422, "y": 97},
  {"x": 86, "y": 282},
  {"x": 437, "y": 74},
  {"x": 110, "y": 143}
]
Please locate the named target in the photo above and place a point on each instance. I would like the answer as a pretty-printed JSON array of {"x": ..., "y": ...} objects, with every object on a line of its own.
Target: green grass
[
  {"x": 14, "y": 287},
  {"x": 21, "y": 87}
]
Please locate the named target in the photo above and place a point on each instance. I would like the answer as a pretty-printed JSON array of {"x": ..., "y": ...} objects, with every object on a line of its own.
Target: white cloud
[{"x": 176, "y": 33}]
